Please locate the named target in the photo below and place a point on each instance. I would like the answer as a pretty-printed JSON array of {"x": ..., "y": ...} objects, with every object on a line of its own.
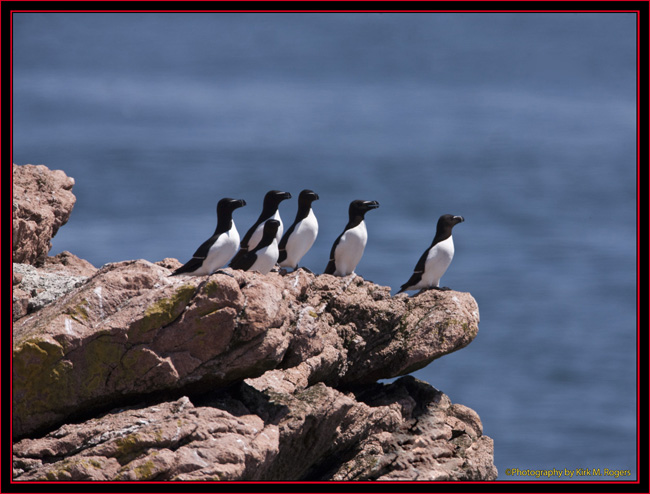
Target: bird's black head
[
  {"x": 306, "y": 197},
  {"x": 273, "y": 198},
  {"x": 270, "y": 228},
  {"x": 228, "y": 204},
  {"x": 445, "y": 223},
  {"x": 360, "y": 208},
  {"x": 449, "y": 220}
]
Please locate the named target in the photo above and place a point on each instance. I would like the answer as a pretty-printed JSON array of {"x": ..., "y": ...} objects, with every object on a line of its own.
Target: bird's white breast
[
  {"x": 266, "y": 258},
  {"x": 257, "y": 234},
  {"x": 350, "y": 249},
  {"x": 438, "y": 260},
  {"x": 223, "y": 249},
  {"x": 302, "y": 238}
]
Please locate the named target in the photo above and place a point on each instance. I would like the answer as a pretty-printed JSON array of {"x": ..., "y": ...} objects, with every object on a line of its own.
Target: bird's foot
[
  {"x": 283, "y": 271},
  {"x": 305, "y": 269},
  {"x": 442, "y": 288},
  {"x": 221, "y": 271}
]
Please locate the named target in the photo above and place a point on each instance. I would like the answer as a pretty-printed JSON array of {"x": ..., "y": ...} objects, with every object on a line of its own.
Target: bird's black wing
[
  {"x": 243, "y": 246},
  {"x": 282, "y": 247},
  {"x": 238, "y": 257},
  {"x": 413, "y": 280},
  {"x": 331, "y": 265},
  {"x": 191, "y": 265},
  {"x": 245, "y": 261},
  {"x": 204, "y": 248},
  {"x": 198, "y": 257},
  {"x": 417, "y": 272},
  {"x": 419, "y": 267}
]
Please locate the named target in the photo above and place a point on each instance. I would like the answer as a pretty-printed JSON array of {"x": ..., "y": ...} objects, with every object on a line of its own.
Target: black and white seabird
[
  {"x": 349, "y": 246},
  {"x": 436, "y": 259},
  {"x": 301, "y": 235},
  {"x": 265, "y": 254},
  {"x": 220, "y": 247},
  {"x": 272, "y": 200}
]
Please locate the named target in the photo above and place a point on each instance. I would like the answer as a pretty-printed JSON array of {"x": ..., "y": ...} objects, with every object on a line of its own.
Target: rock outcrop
[
  {"x": 127, "y": 373},
  {"x": 35, "y": 287},
  {"x": 42, "y": 203},
  {"x": 403, "y": 431}
]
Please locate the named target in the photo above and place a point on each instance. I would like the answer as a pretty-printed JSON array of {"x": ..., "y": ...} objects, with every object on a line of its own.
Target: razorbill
[
  {"x": 220, "y": 247},
  {"x": 301, "y": 235},
  {"x": 349, "y": 246},
  {"x": 436, "y": 259},
  {"x": 272, "y": 200},
  {"x": 265, "y": 254}
]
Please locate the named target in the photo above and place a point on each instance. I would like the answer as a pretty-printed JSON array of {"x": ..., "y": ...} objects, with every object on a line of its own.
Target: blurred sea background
[{"x": 525, "y": 124}]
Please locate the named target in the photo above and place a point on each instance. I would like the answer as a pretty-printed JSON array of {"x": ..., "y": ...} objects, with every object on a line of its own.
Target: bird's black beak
[
  {"x": 459, "y": 219},
  {"x": 239, "y": 203},
  {"x": 315, "y": 197},
  {"x": 286, "y": 195},
  {"x": 371, "y": 204}
]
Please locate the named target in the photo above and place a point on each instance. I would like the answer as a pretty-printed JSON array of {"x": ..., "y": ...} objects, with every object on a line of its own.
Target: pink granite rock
[
  {"x": 131, "y": 329},
  {"x": 126, "y": 373},
  {"x": 403, "y": 431},
  {"x": 42, "y": 202}
]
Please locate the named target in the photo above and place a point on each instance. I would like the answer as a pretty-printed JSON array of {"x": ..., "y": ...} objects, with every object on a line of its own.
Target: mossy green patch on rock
[
  {"x": 166, "y": 310},
  {"x": 142, "y": 469},
  {"x": 45, "y": 382},
  {"x": 39, "y": 372},
  {"x": 145, "y": 471},
  {"x": 60, "y": 472},
  {"x": 65, "y": 469},
  {"x": 211, "y": 288},
  {"x": 31, "y": 356},
  {"x": 128, "y": 448},
  {"x": 313, "y": 394},
  {"x": 208, "y": 311},
  {"x": 78, "y": 312},
  {"x": 100, "y": 357}
]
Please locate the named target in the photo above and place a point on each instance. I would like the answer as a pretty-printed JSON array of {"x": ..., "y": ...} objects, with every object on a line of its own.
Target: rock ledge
[{"x": 126, "y": 373}]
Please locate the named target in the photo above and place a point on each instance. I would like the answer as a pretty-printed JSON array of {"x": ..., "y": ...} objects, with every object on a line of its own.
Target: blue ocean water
[{"x": 525, "y": 124}]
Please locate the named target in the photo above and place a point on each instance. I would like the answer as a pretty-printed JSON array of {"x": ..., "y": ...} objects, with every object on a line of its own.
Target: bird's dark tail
[
  {"x": 331, "y": 267},
  {"x": 413, "y": 280},
  {"x": 191, "y": 265}
]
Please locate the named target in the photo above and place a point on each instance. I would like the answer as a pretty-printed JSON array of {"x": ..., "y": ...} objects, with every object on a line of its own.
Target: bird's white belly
[
  {"x": 301, "y": 240},
  {"x": 257, "y": 234},
  {"x": 221, "y": 251},
  {"x": 350, "y": 249},
  {"x": 438, "y": 260},
  {"x": 266, "y": 258}
]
